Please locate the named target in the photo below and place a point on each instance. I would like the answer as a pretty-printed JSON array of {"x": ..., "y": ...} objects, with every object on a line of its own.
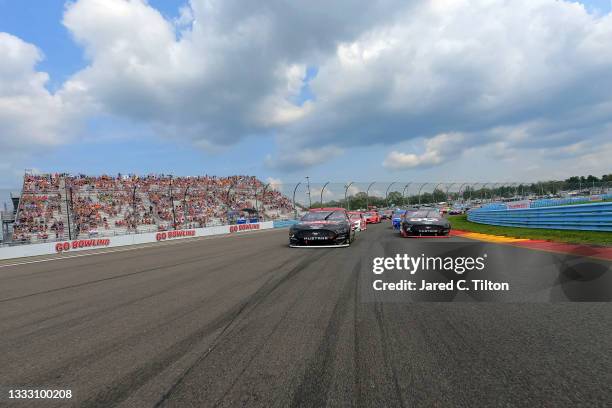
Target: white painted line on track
[{"x": 138, "y": 246}]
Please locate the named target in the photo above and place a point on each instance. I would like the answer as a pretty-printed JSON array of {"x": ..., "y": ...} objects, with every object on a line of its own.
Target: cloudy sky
[{"x": 450, "y": 90}]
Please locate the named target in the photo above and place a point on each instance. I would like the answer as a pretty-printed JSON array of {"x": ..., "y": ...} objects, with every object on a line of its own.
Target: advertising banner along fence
[{"x": 49, "y": 248}]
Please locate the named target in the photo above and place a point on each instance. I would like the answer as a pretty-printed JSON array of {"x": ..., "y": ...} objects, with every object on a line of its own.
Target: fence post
[
  {"x": 323, "y": 189},
  {"x": 404, "y": 193},
  {"x": 482, "y": 191},
  {"x": 294, "y": 207},
  {"x": 346, "y": 199},
  {"x": 433, "y": 193},
  {"x": 447, "y": 190},
  {"x": 387, "y": 193},
  {"x": 459, "y": 192},
  {"x": 421, "y": 189},
  {"x": 472, "y": 190},
  {"x": 368, "y": 195}
]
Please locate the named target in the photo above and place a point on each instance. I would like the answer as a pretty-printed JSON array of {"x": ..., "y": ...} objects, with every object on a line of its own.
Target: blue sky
[{"x": 335, "y": 124}]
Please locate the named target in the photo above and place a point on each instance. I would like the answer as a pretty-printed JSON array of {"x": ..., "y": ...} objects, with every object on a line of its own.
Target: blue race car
[{"x": 396, "y": 218}]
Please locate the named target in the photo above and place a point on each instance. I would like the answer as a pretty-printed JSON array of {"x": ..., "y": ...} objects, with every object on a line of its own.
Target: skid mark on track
[
  {"x": 251, "y": 303},
  {"x": 259, "y": 347},
  {"x": 388, "y": 361},
  {"x": 173, "y": 285},
  {"x": 133, "y": 340},
  {"x": 187, "y": 261},
  {"x": 356, "y": 335},
  {"x": 314, "y": 387},
  {"x": 84, "y": 318}
]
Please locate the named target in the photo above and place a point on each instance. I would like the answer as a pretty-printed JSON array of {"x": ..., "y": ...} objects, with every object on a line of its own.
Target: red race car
[
  {"x": 357, "y": 220},
  {"x": 372, "y": 217}
]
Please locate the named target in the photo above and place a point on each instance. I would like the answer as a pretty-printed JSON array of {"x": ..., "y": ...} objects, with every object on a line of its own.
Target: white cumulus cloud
[
  {"x": 522, "y": 76},
  {"x": 30, "y": 115}
]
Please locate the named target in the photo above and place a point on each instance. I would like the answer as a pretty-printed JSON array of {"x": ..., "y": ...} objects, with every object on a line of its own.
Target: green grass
[{"x": 460, "y": 222}]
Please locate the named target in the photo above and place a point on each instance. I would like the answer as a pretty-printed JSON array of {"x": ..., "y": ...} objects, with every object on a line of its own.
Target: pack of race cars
[{"x": 337, "y": 227}]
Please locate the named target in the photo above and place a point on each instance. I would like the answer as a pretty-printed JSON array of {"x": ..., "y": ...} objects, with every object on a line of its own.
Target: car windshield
[
  {"x": 425, "y": 214},
  {"x": 355, "y": 216},
  {"x": 324, "y": 216}
]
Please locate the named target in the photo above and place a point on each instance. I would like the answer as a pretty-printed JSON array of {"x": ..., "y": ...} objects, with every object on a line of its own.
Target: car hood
[
  {"x": 426, "y": 221},
  {"x": 312, "y": 225}
]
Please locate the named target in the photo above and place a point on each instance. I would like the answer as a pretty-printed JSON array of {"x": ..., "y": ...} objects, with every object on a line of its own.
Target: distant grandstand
[{"x": 61, "y": 206}]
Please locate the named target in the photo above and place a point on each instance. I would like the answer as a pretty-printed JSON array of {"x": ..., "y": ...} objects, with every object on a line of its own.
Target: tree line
[{"x": 484, "y": 191}]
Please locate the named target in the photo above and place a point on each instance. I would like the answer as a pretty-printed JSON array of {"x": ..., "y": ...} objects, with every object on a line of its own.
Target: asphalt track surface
[{"x": 247, "y": 321}]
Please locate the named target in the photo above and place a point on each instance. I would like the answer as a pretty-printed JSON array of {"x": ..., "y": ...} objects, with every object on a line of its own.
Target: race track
[{"x": 246, "y": 321}]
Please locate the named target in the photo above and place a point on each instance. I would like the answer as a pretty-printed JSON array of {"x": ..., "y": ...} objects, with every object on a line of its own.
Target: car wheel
[{"x": 350, "y": 238}]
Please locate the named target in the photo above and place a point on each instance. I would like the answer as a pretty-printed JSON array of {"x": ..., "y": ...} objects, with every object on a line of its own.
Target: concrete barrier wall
[
  {"x": 586, "y": 217},
  {"x": 284, "y": 223},
  {"x": 49, "y": 248}
]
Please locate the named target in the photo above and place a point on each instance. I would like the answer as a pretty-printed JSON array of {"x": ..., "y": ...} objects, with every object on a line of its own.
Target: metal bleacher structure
[
  {"x": 61, "y": 207},
  {"x": 549, "y": 214}
]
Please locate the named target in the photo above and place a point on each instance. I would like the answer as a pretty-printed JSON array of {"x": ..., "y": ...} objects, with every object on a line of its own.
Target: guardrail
[{"x": 587, "y": 217}]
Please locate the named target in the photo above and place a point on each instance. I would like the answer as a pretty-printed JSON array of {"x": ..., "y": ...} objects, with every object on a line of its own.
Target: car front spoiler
[{"x": 319, "y": 246}]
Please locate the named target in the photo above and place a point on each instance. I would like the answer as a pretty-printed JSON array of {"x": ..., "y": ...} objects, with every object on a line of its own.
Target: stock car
[
  {"x": 357, "y": 220},
  {"x": 372, "y": 217},
  {"x": 396, "y": 218},
  {"x": 386, "y": 214},
  {"x": 328, "y": 227},
  {"x": 425, "y": 222}
]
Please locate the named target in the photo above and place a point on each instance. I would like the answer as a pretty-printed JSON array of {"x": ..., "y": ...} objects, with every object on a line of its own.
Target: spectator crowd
[{"x": 53, "y": 204}]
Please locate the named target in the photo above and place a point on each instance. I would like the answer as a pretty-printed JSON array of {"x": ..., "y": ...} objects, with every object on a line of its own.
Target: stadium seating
[{"x": 53, "y": 204}]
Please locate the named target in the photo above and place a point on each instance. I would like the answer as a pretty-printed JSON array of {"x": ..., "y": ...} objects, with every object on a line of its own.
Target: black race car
[
  {"x": 424, "y": 223},
  {"x": 322, "y": 227}
]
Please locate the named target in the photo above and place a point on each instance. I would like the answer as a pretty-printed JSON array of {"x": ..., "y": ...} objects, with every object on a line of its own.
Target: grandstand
[{"x": 61, "y": 206}]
